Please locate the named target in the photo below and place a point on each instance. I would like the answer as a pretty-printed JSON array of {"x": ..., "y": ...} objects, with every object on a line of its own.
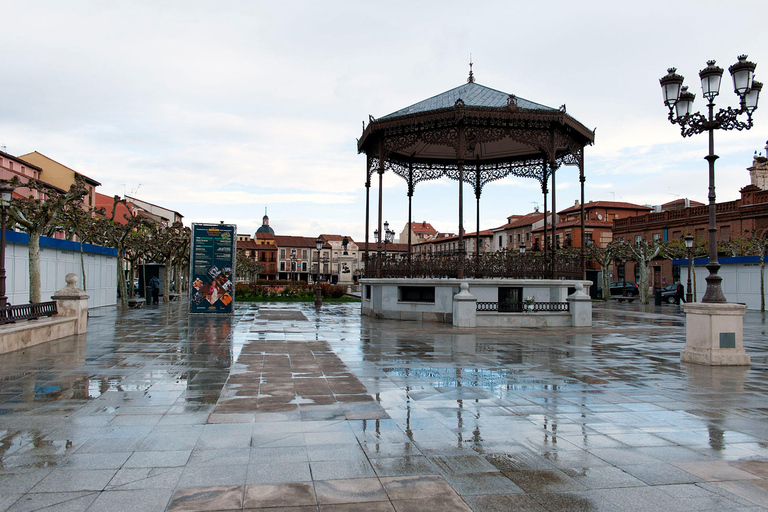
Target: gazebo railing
[
  {"x": 500, "y": 264},
  {"x": 519, "y": 307},
  {"x": 29, "y": 311}
]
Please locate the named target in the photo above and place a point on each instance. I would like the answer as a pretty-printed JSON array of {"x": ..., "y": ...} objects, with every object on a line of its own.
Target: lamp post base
[{"x": 714, "y": 334}]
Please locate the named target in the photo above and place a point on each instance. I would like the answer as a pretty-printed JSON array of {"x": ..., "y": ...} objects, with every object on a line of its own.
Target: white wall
[
  {"x": 55, "y": 264},
  {"x": 741, "y": 280}
]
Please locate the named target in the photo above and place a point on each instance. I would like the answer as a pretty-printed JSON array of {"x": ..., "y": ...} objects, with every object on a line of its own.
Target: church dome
[{"x": 265, "y": 226}]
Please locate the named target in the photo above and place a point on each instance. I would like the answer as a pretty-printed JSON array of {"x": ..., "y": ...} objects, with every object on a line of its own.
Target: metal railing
[
  {"x": 27, "y": 311},
  {"x": 504, "y": 263},
  {"x": 519, "y": 307}
]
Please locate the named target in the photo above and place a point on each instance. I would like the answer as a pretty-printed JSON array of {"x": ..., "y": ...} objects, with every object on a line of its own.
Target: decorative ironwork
[
  {"x": 725, "y": 119},
  {"x": 519, "y": 307},
  {"x": 500, "y": 264},
  {"x": 29, "y": 311}
]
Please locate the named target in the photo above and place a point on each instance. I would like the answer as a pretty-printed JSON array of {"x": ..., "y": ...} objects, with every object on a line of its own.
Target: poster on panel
[{"x": 212, "y": 277}]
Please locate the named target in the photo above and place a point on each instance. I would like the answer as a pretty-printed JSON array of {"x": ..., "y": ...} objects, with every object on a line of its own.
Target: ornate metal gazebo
[{"x": 474, "y": 134}]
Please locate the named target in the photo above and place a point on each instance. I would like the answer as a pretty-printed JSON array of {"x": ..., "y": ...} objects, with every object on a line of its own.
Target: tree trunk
[
  {"x": 762, "y": 281},
  {"x": 121, "y": 279},
  {"x": 643, "y": 280},
  {"x": 167, "y": 280},
  {"x": 34, "y": 267},
  {"x": 606, "y": 282},
  {"x": 82, "y": 263}
]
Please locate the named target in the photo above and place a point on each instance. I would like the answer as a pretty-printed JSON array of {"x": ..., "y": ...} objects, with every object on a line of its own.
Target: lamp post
[
  {"x": 680, "y": 103},
  {"x": 624, "y": 276},
  {"x": 689, "y": 246},
  {"x": 293, "y": 266},
  {"x": 389, "y": 237},
  {"x": 6, "y": 192},
  {"x": 318, "y": 297}
]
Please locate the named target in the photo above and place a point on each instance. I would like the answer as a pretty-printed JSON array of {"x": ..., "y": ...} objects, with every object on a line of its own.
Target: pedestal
[
  {"x": 580, "y": 305},
  {"x": 464, "y": 308},
  {"x": 73, "y": 302},
  {"x": 714, "y": 334}
]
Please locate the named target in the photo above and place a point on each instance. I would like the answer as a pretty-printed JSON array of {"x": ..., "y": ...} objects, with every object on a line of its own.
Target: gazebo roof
[{"x": 473, "y": 95}]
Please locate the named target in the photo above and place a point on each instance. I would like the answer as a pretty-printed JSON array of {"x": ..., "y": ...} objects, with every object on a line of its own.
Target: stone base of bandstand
[{"x": 714, "y": 334}]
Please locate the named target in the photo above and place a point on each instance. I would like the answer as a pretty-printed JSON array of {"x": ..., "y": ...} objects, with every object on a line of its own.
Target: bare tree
[
  {"x": 604, "y": 256},
  {"x": 42, "y": 216},
  {"x": 643, "y": 253}
]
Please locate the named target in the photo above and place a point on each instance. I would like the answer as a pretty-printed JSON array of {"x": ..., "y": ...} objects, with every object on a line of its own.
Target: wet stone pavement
[{"x": 283, "y": 408}]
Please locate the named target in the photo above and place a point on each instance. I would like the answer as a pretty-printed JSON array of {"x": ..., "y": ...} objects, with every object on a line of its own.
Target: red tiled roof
[
  {"x": 422, "y": 227},
  {"x": 576, "y": 222},
  {"x": 606, "y": 204},
  {"x": 106, "y": 202},
  {"x": 390, "y": 247},
  {"x": 294, "y": 241},
  {"x": 247, "y": 244},
  {"x": 523, "y": 220},
  {"x": 335, "y": 238}
]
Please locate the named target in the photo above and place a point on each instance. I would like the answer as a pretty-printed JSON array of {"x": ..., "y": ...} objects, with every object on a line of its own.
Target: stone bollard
[
  {"x": 580, "y": 306},
  {"x": 464, "y": 308},
  {"x": 73, "y": 302}
]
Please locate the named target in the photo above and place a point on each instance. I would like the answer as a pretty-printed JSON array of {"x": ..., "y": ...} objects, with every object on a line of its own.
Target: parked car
[
  {"x": 632, "y": 288},
  {"x": 668, "y": 293}
]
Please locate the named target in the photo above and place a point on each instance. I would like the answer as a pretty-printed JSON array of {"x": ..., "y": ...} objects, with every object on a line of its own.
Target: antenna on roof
[
  {"x": 3, "y": 148},
  {"x": 471, "y": 78}
]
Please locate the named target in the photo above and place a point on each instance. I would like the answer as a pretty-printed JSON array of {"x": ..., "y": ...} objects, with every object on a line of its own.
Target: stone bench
[{"x": 136, "y": 303}]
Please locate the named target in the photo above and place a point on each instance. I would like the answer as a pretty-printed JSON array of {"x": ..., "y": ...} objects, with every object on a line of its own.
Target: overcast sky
[{"x": 220, "y": 109}]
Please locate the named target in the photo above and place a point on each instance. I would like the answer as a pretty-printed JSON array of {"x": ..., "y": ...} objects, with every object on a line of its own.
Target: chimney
[{"x": 576, "y": 203}]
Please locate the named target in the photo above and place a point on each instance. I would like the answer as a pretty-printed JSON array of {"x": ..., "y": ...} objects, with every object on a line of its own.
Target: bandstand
[{"x": 474, "y": 135}]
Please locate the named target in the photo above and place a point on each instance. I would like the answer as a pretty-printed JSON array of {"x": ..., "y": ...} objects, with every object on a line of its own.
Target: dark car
[
  {"x": 668, "y": 293},
  {"x": 632, "y": 289}
]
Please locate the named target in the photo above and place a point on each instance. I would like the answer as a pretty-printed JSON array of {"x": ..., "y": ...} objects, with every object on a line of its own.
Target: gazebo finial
[{"x": 471, "y": 78}]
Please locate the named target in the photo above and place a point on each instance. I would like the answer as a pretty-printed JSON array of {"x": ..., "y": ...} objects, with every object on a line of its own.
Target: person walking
[
  {"x": 679, "y": 293},
  {"x": 154, "y": 287}
]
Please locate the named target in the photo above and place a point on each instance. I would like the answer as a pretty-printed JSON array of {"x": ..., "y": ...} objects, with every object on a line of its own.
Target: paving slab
[{"x": 287, "y": 406}]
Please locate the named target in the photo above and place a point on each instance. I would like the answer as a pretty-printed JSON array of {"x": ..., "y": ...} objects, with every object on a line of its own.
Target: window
[
  {"x": 501, "y": 240},
  {"x": 304, "y": 267},
  {"x": 725, "y": 233},
  {"x": 638, "y": 239},
  {"x": 657, "y": 237},
  {"x": 282, "y": 256},
  {"x": 263, "y": 256},
  {"x": 510, "y": 239},
  {"x": 282, "y": 266},
  {"x": 416, "y": 293},
  {"x": 519, "y": 237},
  {"x": 303, "y": 254},
  {"x": 527, "y": 237}
]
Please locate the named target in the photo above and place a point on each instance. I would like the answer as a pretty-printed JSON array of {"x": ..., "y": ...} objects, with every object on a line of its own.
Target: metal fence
[
  {"x": 27, "y": 311},
  {"x": 505, "y": 263},
  {"x": 520, "y": 307}
]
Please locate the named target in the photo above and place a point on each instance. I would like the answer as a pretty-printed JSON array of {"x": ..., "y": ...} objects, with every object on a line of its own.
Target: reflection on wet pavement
[{"x": 284, "y": 406}]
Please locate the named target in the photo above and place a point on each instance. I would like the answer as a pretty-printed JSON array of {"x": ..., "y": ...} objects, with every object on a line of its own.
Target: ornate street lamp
[
  {"x": 689, "y": 246},
  {"x": 6, "y": 193},
  {"x": 680, "y": 103},
  {"x": 293, "y": 266},
  {"x": 318, "y": 297},
  {"x": 389, "y": 237}
]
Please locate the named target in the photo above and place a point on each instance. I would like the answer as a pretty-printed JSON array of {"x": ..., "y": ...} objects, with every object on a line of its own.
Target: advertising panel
[{"x": 212, "y": 281}]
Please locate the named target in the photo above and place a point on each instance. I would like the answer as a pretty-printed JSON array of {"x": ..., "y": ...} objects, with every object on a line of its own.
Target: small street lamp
[
  {"x": 689, "y": 246},
  {"x": 6, "y": 193},
  {"x": 389, "y": 237},
  {"x": 680, "y": 103},
  {"x": 318, "y": 297}
]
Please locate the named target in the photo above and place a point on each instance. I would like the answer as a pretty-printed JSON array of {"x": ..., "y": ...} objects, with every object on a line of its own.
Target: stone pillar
[
  {"x": 464, "y": 308},
  {"x": 73, "y": 302},
  {"x": 580, "y": 305},
  {"x": 347, "y": 269},
  {"x": 714, "y": 334}
]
